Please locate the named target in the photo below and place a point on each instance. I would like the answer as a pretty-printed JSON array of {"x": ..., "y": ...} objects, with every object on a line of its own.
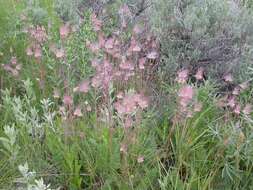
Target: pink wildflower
[
  {"x": 29, "y": 51},
  {"x": 182, "y": 76},
  {"x": 236, "y": 91},
  {"x": 67, "y": 100},
  {"x": 64, "y": 31},
  {"x": 140, "y": 159},
  {"x": 200, "y": 74},
  {"x": 78, "y": 112},
  {"x": 59, "y": 53},
  {"x": 247, "y": 109},
  {"x": 231, "y": 102},
  {"x": 228, "y": 78},
  {"x": 96, "y": 23},
  {"x": 237, "y": 109},
  {"x": 152, "y": 55},
  {"x": 84, "y": 87}
]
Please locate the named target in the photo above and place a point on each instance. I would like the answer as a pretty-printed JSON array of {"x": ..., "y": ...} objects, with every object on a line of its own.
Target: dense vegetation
[{"x": 126, "y": 94}]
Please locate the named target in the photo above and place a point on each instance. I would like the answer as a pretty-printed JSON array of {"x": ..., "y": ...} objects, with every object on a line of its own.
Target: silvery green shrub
[{"x": 216, "y": 34}]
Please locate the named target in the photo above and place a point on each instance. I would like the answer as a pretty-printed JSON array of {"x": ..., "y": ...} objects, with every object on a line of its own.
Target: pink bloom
[
  {"x": 228, "y": 78},
  {"x": 142, "y": 62},
  {"x": 29, "y": 51},
  {"x": 59, "y": 53},
  {"x": 152, "y": 55},
  {"x": 182, "y": 76},
  {"x": 247, "y": 109},
  {"x": 67, "y": 100},
  {"x": 200, "y": 74},
  {"x": 128, "y": 122},
  {"x": 140, "y": 159},
  {"x": 189, "y": 114},
  {"x": 18, "y": 67},
  {"x": 186, "y": 92},
  {"x": 137, "y": 29},
  {"x": 237, "y": 109},
  {"x": 96, "y": 23},
  {"x": 137, "y": 48},
  {"x": 120, "y": 95},
  {"x": 236, "y": 91},
  {"x": 78, "y": 112},
  {"x": 231, "y": 102},
  {"x": 84, "y": 86},
  {"x": 64, "y": 31},
  {"x": 88, "y": 108},
  {"x": 109, "y": 43},
  {"x": 13, "y": 60},
  {"x": 123, "y": 148},
  {"x": 37, "y": 52}
]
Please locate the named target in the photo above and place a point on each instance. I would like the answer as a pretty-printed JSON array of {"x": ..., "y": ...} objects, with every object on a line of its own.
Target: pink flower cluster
[
  {"x": 129, "y": 103},
  {"x": 37, "y": 36},
  {"x": 186, "y": 93},
  {"x": 13, "y": 67},
  {"x": 232, "y": 100}
]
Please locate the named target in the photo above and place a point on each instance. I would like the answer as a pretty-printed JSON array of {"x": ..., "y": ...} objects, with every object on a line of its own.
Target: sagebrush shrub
[{"x": 213, "y": 34}]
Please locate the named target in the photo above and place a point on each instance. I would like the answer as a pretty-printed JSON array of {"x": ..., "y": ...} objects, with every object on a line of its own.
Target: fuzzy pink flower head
[
  {"x": 136, "y": 48},
  {"x": 67, "y": 100},
  {"x": 236, "y": 91},
  {"x": 38, "y": 52},
  {"x": 127, "y": 65},
  {"x": 231, "y": 102},
  {"x": 247, "y": 109},
  {"x": 88, "y": 108},
  {"x": 200, "y": 74},
  {"x": 237, "y": 109},
  {"x": 96, "y": 23},
  {"x": 84, "y": 86},
  {"x": 128, "y": 122},
  {"x": 182, "y": 76},
  {"x": 14, "y": 61},
  {"x": 137, "y": 29},
  {"x": 142, "y": 63},
  {"x": 78, "y": 112},
  {"x": 152, "y": 55},
  {"x": 186, "y": 92},
  {"x": 123, "y": 148},
  {"x": 64, "y": 31},
  {"x": 29, "y": 51},
  {"x": 228, "y": 78},
  {"x": 140, "y": 159},
  {"x": 120, "y": 95},
  {"x": 59, "y": 53},
  {"x": 38, "y": 34},
  {"x": 141, "y": 101},
  {"x": 109, "y": 43}
]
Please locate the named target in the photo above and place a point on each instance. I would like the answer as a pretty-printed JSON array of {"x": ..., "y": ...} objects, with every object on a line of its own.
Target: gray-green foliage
[{"x": 212, "y": 33}]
